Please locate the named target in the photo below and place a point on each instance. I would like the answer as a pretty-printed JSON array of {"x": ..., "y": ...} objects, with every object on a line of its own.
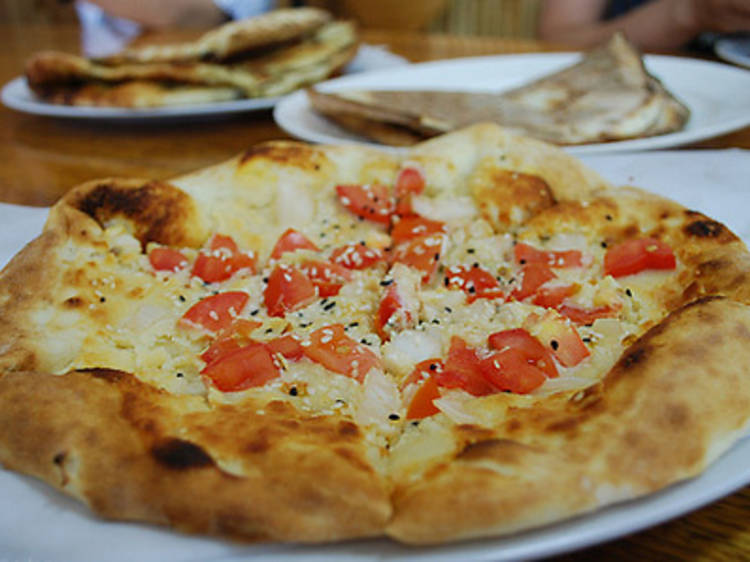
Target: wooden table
[{"x": 42, "y": 158}]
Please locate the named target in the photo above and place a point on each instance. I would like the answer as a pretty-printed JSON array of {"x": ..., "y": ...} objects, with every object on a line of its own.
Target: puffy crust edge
[
  {"x": 304, "y": 479},
  {"x": 622, "y": 438}
]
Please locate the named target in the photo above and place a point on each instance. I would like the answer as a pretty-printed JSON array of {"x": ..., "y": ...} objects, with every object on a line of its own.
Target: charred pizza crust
[{"x": 261, "y": 466}]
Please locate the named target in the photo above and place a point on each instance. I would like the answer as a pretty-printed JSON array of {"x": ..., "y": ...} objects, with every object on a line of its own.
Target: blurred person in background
[{"x": 650, "y": 24}]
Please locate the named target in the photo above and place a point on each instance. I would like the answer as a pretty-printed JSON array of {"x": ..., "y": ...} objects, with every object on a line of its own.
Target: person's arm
[
  {"x": 165, "y": 13},
  {"x": 660, "y": 24}
]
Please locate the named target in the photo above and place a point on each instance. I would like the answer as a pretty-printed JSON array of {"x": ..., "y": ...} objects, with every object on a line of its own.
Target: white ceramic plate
[
  {"x": 17, "y": 95},
  {"x": 37, "y": 523},
  {"x": 734, "y": 49},
  {"x": 716, "y": 94}
]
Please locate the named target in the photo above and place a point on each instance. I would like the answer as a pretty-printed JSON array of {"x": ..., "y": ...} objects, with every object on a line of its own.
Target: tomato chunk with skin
[
  {"x": 370, "y": 202},
  {"x": 508, "y": 370},
  {"x": 327, "y": 277},
  {"x": 392, "y": 313},
  {"x": 526, "y": 254},
  {"x": 553, "y": 296},
  {"x": 421, "y": 253},
  {"x": 288, "y": 346},
  {"x": 527, "y": 345},
  {"x": 423, "y": 370},
  {"x": 475, "y": 281},
  {"x": 331, "y": 347},
  {"x": 246, "y": 367},
  {"x": 561, "y": 337},
  {"x": 587, "y": 316},
  {"x": 356, "y": 256},
  {"x": 290, "y": 241},
  {"x": 167, "y": 259},
  {"x": 288, "y": 289},
  {"x": 222, "y": 260},
  {"x": 533, "y": 276},
  {"x": 216, "y": 312},
  {"x": 422, "y": 404},
  {"x": 462, "y": 370},
  {"x": 410, "y": 181},
  {"x": 230, "y": 339},
  {"x": 408, "y": 228},
  {"x": 640, "y": 254}
]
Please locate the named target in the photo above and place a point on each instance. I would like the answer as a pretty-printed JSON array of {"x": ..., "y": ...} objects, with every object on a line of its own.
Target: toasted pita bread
[
  {"x": 230, "y": 39},
  {"x": 609, "y": 95},
  {"x": 73, "y": 80}
]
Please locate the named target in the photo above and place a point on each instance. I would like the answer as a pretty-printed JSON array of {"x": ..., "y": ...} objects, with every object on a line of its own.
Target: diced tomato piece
[
  {"x": 222, "y": 260},
  {"x": 222, "y": 241},
  {"x": 421, "y": 253},
  {"x": 527, "y": 345},
  {"x": 235, "y": 336},
  {"x": 640, "y": 254},
  {"x": 290, "y": 241},
  {"x": 393, "y": 314},
  {"x": 326, "y": 276},
  {"x": 289, "y": 346},
  {"x": 509, "y": 370},
  {"x": 212, "y": 268},
  {"x": 288, "y": 289},
  {"x": 332, "y": 348},
  {"x": 552, "y": 297},
  {"x": 526, "y": 254},
  {"x": 410, "y": 181},
  {"x": 167, "y": 259},
  {"x": 408, "y": 228},
  {"x": 248, "y": 366},
  {"x": 462, "y": 370},
  {"x": 560, "y": 336},
  {"x": 533, "y": 276},
  {"x": 216, "y": 312},
  {"x": 475, "y": 281},
  {"x": 357, "y": 256},
  {"x": 587, "y": 316},
  {"x": 371, "y": 202},
  {"x": 423, "y": 370},
  {"x": 422, "y": 404}
]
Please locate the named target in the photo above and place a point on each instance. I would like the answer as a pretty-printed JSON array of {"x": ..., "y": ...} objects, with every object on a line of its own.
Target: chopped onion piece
[
  {"x": 444, "y": 209},
  {"x": 379, "y": 398},
  {"x": 456, "y": 405}
]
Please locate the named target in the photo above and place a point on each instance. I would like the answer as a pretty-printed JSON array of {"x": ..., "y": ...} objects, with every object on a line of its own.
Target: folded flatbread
[
  {"x": 607, "y": 96},
  {"x": 69, "y": 79},
  {"x": 239, "y": 36}
]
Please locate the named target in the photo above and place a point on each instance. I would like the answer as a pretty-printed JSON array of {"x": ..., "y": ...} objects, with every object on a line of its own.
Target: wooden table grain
[{"x": 44, "y": 157}]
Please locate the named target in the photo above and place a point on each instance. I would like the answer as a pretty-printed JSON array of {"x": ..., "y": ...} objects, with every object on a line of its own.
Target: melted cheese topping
[{"x": 123, "y": 315}]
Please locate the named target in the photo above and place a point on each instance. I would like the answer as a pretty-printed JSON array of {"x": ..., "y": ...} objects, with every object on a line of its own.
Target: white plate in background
[
  {"x": 734, "y": 49},
  {"x": 716, "y": 94},
  {"x": 17, "y": 95}
]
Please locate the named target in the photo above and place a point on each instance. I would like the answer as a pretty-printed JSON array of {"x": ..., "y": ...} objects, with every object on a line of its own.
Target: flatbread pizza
[{"x": 310, "y": 344}]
